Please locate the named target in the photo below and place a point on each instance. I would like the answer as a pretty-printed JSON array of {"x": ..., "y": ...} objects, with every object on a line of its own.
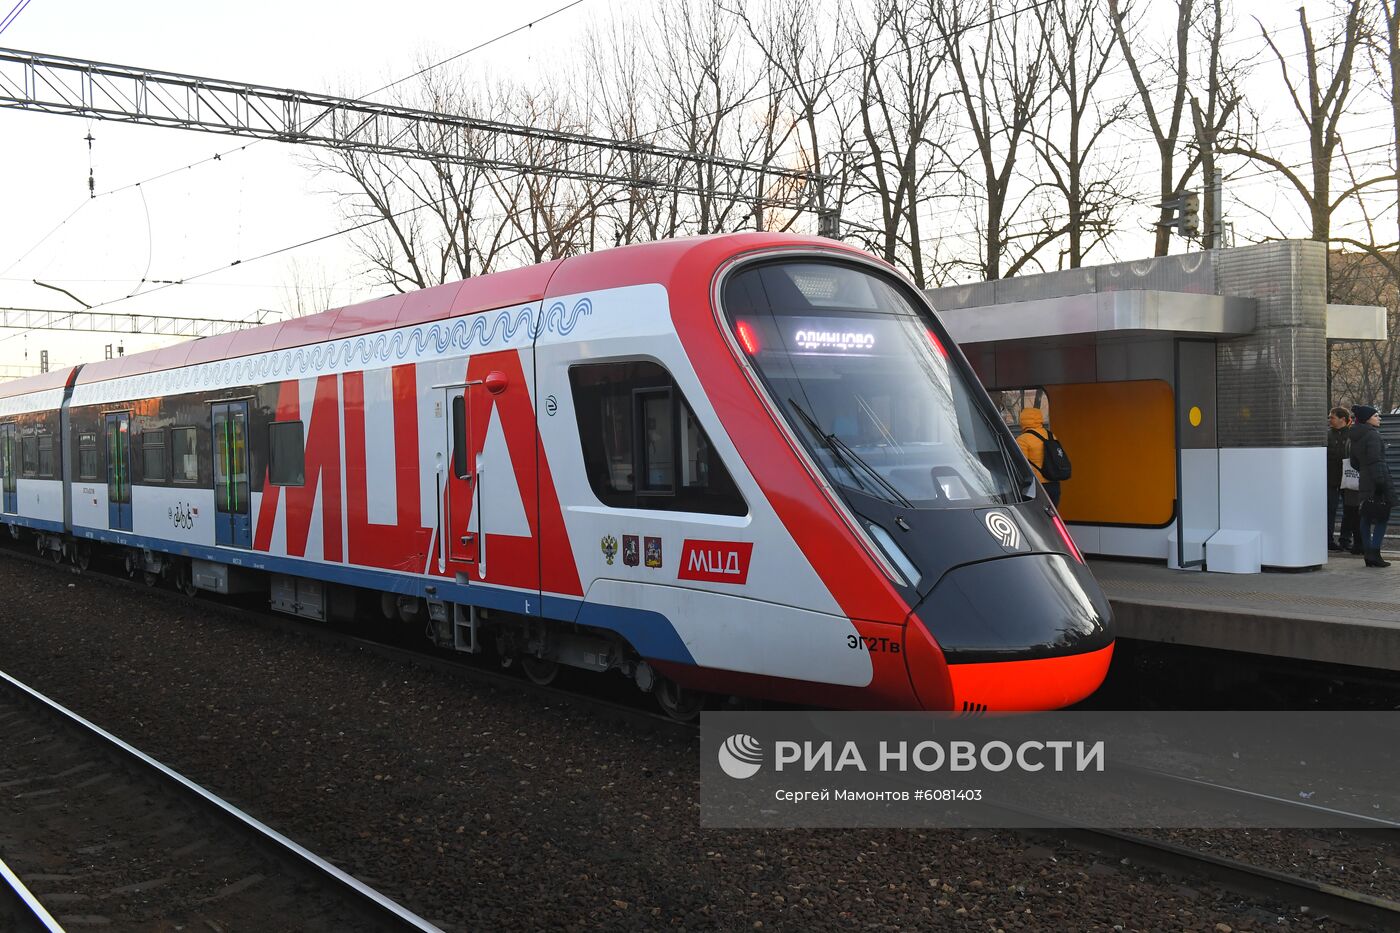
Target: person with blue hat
[{"x": 1368, "y": 457}]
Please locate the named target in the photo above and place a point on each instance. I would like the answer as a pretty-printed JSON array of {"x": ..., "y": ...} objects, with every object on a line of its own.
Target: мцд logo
[
  {"x": 1003, "y": 528},
  {"x": 741, "y": 756}
]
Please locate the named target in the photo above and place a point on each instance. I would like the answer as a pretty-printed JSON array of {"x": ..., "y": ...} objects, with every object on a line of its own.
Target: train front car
[{"x": 899, "y": 438}]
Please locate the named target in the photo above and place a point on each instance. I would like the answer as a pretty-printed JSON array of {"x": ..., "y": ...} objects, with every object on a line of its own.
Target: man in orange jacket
[{"x": 1033, "y": 447}]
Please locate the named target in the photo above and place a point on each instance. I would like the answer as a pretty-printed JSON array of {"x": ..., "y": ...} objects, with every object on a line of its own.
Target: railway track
[
  {"x": 20, "y": 910},
  {"x": 1318, "y": 899},
  {"x": 97, "y": 833}
]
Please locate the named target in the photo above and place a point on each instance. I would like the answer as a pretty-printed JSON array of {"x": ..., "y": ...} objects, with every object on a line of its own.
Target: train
[{"x": 749, "y": 465}]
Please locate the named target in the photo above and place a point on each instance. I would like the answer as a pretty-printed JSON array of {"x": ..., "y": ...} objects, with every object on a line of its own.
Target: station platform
[{"x": 1344, "y": 613}]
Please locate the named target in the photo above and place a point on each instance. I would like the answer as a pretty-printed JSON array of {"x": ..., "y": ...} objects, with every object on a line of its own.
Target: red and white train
[{"x": 750, "y": 465}]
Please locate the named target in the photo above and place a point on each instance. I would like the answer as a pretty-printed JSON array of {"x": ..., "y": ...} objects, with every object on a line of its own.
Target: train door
[
  {"x": 9, "y": 450},
  {"x": 463, "y": 484},
  {"x": 233, "y": 523},
  {"x": 118, "y": 428}
]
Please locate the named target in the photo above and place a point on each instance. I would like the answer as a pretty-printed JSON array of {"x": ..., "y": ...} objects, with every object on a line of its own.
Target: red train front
[{"x": 749, "y": 464}]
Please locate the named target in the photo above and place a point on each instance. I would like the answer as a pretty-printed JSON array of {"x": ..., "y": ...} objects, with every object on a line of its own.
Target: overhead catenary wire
[
  {"x": 13, "y": 15},
  {"x": 638, "y": 137},
  {"x": 425, "y": 205},
  {"x": 219, "y": 156}
]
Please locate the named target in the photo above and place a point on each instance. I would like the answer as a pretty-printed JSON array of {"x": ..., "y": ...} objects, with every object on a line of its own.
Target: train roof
[
  {"x": 55, "y": 379},
  {"x": 637, "y": 264}
]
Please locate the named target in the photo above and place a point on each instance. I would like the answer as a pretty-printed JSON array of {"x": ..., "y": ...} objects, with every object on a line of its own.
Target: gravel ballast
[{"x": 482, "y": 808}]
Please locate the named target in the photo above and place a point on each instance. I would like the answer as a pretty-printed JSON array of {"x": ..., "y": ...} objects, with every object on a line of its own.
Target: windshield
[{"x": 869, "y": 387}]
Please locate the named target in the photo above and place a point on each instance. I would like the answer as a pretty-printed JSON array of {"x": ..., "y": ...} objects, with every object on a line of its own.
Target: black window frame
[
  {"x": 47, "y": 464},
  {"x": 276, "y": 467},
  {"x": 641, "y": 464},
  {"x": 177, "y": 476},
  {"x": 87, "y": 444},
  {"x": 29, "y": 454},
  {"x": 719, "y": 495},
  {"x": 153, "y": 440},
  {"x": 461, "y": 468}
]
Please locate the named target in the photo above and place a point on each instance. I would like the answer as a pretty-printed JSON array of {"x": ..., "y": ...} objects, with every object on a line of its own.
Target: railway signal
[{"x": 1185, "y": 208}]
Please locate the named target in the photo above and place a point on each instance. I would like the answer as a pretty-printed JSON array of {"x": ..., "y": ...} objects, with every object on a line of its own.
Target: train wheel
[
  {"x": 539, "y": 670},
  {"x": 184, "y": 581},
  {"x": 149, "y": 578},
  {"x": 82, "y": 556},
  {"x": 676, "y": 701}
]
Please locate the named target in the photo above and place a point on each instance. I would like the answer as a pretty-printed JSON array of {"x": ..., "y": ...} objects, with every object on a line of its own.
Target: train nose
[{"x": 1023, "y": 632}]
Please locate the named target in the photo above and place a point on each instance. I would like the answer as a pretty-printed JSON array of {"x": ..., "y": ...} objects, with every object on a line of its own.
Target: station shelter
[{"x": 1189, "y": 391}]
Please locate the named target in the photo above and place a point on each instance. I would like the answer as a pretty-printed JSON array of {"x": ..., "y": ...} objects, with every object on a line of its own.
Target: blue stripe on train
[
  {"x": 41, "y": 524},
  {"x": 651, "y": 633}
]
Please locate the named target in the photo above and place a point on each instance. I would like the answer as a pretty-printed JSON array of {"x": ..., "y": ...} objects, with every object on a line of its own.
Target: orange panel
[
  {"x": 1121, "y": 441},
  {"x": 1027, "y": 686}
]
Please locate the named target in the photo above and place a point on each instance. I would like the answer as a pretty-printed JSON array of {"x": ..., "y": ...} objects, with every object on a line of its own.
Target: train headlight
[{"x": 895, "y": 554}]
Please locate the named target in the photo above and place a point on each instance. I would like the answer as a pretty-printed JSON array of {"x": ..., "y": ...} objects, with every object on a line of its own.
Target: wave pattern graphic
[
  {"x": 34, "y": 401},
  {"x": 386, "y": 348}
]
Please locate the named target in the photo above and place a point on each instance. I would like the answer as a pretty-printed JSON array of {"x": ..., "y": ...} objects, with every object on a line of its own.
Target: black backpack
[{"x": 1055, "y": 464}]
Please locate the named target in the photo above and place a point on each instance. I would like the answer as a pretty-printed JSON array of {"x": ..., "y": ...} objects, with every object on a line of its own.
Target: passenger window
[
  {"x": 87, "y": 456},
  {"x": 286, "y": 453},
  {"x": 658, "y": 473},
  {"x": 643, "y": 447},
  {"x": 29, "y": 452},
  {"x": 153, "y": 456},
  {"x": 184, "y": 455},
  {"x": 46, "y": 456}
]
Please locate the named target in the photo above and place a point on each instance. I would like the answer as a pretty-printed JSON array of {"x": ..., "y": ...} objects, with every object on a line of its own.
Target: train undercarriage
[{"x": 540, "y": 649}]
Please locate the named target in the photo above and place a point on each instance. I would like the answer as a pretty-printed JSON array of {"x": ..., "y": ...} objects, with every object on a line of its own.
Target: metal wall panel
[{"x": 1273, "y": 383}]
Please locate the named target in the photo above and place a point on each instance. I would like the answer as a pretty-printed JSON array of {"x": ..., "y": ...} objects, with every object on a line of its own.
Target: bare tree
[
  {"x": 803, "y": 49},
  {"x": 1368, "y": 371},
  {"x": 1320, "y": 96},
  {"x": 1002, "y": 76},
  {"x": 1079, "y": 47},
  {"x": 1212, "y": 120},
  {"x": 307, "y": 290},
  {"x": 901, "y": 130},
  {"x": 1383, "y": 48},
  {"x": 1386, "y": 56},
  {"x": 551, "y": 217},
  {"x": 623, "y": 85},
  {"x": 430, "y": 224},
  {"x": 1173, "y": 68},
  {"x": 704, "y": 82}
]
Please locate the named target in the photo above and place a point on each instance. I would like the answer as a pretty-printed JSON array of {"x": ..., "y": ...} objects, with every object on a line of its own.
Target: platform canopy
[
  {"x": 1356, "y": 322},
  {"x": 1132, "y": 311}
]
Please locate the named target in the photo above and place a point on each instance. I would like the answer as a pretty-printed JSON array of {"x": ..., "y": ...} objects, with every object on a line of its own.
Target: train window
[
  {"x": 153, "y": 462},
  {"x": 29, "y": 455},
  {"x": 286, "y": 453},
  {"x": 45, "y": 456},
  {"x": 655, "y": 445},
  {"x": 184, "y": 455},
  {"x": 87, "y": 456},
  {"x": 643, "y": 447},
  {"x": 459, "y": 438}
]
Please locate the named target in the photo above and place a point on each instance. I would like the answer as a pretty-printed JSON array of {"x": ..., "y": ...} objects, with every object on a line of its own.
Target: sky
[
  {"x": 252, "y": 200},
  {"x": 244, "y": 204}
]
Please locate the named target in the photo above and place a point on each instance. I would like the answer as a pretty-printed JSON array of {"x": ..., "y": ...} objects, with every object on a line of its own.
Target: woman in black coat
[{"x": 1376, "y": 493}]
